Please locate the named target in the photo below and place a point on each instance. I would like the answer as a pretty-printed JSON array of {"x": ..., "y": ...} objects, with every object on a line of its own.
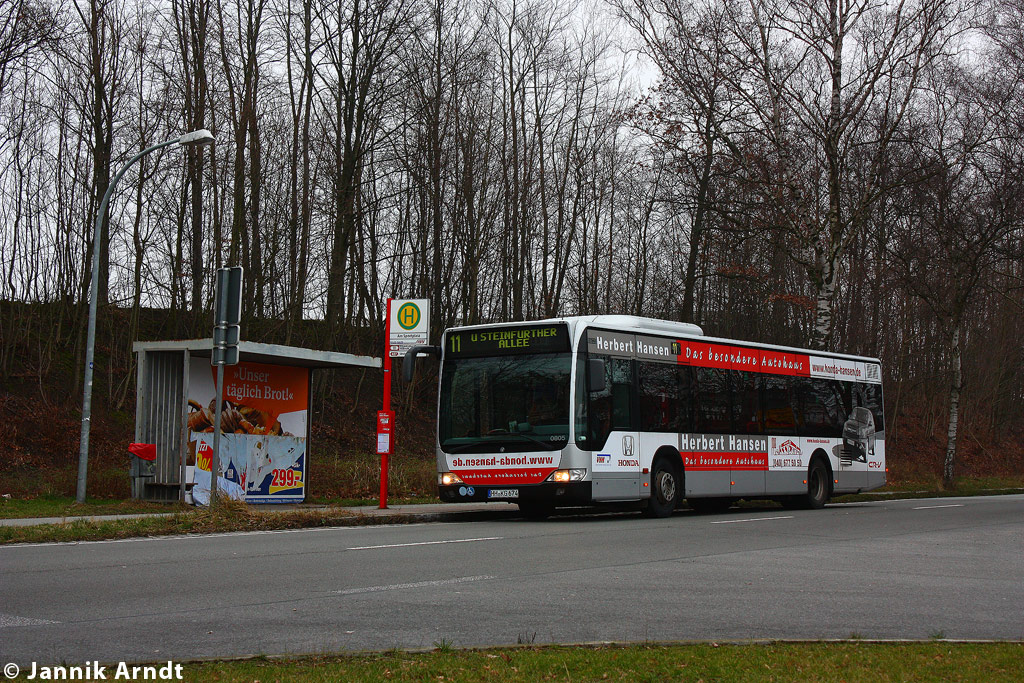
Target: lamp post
[{"x": 195, "y": 138}]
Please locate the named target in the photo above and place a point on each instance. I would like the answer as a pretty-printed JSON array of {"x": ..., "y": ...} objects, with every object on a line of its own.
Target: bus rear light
[
  {"x": 565, "y": 476},
  {"x": 448, "y": 478}
]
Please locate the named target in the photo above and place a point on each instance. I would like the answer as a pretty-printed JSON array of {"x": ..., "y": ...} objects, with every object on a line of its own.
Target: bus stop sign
[{"x": 409, "y": 325}]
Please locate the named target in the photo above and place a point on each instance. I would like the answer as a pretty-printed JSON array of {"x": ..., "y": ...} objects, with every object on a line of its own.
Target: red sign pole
[{"x": 387, "y": 408}]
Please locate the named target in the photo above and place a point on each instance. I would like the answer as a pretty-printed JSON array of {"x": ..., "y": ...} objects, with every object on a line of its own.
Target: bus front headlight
[
  {"x": 448, "y": 478},
  {"x": 565, "y": 476}
]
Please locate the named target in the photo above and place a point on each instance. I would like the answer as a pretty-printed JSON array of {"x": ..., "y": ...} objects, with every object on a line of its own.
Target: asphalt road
[{"x": 950, "y": 567}]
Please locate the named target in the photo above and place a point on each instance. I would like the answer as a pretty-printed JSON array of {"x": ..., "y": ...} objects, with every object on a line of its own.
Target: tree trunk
[
  {"x": 955, "y": 387},
  {"x": 825, "y": 286},
  {"x": 102, "y": 130}
]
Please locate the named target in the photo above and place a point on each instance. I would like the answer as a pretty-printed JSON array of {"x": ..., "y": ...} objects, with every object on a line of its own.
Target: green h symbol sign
[{"x": 408, "y": 316}]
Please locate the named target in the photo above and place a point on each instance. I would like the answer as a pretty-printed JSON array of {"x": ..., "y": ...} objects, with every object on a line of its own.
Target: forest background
[{"x": 840, "y": 174}]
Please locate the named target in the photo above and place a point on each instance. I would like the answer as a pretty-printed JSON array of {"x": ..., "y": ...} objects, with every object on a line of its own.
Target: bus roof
[
  {"x": 656, "y": 327},
  {"x": 633, "y": 323}
]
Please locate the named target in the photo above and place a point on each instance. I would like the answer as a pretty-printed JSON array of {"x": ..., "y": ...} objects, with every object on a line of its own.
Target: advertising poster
[
  {"x": 264, "y": 423},
  {"x": 201, "y": 475}
]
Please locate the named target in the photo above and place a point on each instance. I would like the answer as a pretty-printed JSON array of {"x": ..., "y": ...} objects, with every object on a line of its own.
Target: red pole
[{"x": 387, "y": 407}]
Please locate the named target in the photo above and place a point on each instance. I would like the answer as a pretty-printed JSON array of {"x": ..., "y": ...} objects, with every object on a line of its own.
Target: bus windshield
[{"x": 509, "y": 402}]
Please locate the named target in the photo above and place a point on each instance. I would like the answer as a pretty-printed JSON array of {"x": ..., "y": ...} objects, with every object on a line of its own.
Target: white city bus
[{"x": 612, "y": 408}]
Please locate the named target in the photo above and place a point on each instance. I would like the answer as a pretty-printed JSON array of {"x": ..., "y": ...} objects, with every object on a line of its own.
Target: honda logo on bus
[{"x": 627, "y": 446}]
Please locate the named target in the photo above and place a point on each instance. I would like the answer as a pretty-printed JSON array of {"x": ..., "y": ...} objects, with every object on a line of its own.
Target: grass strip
[
  {"x": 843, "y": 661},
  {"x": 965, "y": 486},
  {"x": 228, "y": 516},
  {"x": 66, "y": 506}
]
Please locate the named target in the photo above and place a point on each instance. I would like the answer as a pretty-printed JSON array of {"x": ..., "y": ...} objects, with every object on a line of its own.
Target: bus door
[
  {"x": 660, "y": 408},
  {"x": 613, "y": 438}
]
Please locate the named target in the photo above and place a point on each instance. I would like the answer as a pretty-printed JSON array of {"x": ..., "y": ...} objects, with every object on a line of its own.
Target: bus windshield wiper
[
  {"x": 464, "y": 446},
  {"x": 545, "y": 444},
  {"x": 499, "y": 436}
]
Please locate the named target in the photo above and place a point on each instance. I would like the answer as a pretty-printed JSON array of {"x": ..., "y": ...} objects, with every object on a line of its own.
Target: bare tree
[
  {"x": 191, "y": 20},
  {"x": 970, "y": 201},
  {"x": 819, "y": 82},
  {"x": 361, "y": 43},
  {"x": 26, "y": 26},
  {"x": 300, "y": 56}
]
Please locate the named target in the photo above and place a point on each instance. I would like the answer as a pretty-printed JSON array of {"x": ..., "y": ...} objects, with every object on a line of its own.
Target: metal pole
[
  {"x": 215, "y": 458},
  {"x": 90, "y": 343},
  {"x": 183, "y": 439},
  {"x": 219, "y": 310},
  {"x": 387, "y": 407}
]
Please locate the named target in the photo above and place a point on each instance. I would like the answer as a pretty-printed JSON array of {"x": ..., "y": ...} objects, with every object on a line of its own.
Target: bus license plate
[{"x": 503, "y": 493}]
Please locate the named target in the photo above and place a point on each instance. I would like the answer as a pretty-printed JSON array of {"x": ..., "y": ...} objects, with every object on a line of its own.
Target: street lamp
[{"x": 195, "y": 138}]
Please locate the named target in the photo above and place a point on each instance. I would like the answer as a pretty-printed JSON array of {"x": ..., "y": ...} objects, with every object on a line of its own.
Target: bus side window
[
  {"x": 835, "y": 401},
  {"x": 609, "y": 409},
  {"x": 582, "y": 400},
  {"x": 686, "y": 399},
  {"x": 620, "y": 378},
  {"x": 870, "y": 396},
  {"x": 821, "y": 406},
  {"x": 874, "y": 404},
  {"x": 659, "y": 396},
  {"x": 777, "y": 405},
  {"x": 713, "y": 405},
  {"x": 746, "y": 408}
]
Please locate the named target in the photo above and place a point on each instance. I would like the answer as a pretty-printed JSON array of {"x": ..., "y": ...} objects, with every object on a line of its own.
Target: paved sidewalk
[{"x": 428, "y": 512}]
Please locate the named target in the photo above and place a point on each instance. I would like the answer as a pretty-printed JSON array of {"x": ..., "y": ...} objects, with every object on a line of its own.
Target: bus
[{"x": 588, "y": 410}]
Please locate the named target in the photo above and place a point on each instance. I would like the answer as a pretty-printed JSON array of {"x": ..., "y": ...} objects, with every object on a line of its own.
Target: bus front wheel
[{"x": 665, "y": 490}]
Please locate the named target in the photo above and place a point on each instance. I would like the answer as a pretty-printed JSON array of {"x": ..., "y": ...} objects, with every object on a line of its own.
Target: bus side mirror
[
  {"x": 595, "y": 375},
  {"x": 409, "y": 361}
]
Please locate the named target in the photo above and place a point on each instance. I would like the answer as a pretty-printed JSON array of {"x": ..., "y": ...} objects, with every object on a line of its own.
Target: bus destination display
[{"x": 508, "y": 341}]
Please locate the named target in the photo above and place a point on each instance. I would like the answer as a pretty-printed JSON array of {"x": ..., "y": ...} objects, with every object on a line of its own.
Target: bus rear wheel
[
  {"x": 665, "y": 490},
  {"x": 818, "y": 490},
  {"x": 817, "y": 485}
]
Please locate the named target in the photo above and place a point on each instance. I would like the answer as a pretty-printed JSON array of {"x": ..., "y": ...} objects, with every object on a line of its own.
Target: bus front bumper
[{"x": 573, "y": 493}]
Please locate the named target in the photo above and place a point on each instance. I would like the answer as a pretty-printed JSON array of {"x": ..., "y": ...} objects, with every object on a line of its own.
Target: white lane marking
[
  {"x": 936, "y": 507},
  {"x": 407, "y": 545},
  {"x": 417, "y": 584},
  {"x": 752, "y": 519},
  {"x": 9, "y": 620}
]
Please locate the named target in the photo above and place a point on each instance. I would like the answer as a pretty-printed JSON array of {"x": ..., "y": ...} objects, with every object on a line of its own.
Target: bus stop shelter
[{"x": 265, "y": 426}]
